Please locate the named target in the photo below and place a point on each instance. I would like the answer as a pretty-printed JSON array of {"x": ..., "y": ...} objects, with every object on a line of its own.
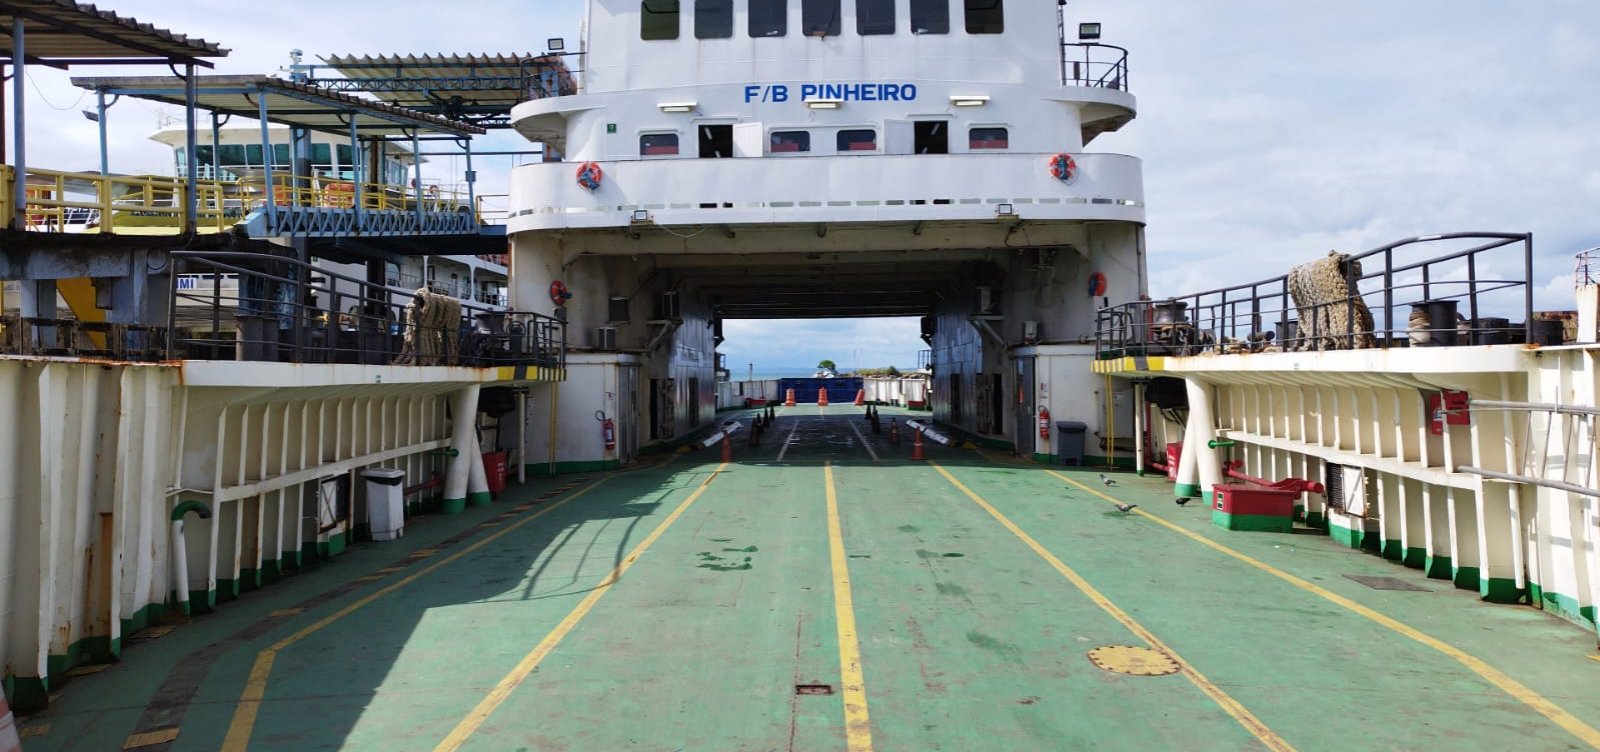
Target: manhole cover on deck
[
  {"x": 1385, "y": 583},
  {"x": 1124, "y": 659},
  {"x": 813, "y": 689}
]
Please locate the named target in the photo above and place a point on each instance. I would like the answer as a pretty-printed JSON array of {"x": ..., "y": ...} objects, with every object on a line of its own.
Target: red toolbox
[{"x": 1254, "y": 508}]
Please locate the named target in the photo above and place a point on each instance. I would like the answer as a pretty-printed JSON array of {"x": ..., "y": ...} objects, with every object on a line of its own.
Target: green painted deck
[{"x": 502, "y": 628}]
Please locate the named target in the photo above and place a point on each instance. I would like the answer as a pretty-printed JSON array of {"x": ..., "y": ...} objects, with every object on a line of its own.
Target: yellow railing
[{"x": 72, "y": 202}]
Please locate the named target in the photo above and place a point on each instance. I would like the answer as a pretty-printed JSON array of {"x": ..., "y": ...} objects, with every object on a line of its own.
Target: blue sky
[{"x": 1271, "y": 130}]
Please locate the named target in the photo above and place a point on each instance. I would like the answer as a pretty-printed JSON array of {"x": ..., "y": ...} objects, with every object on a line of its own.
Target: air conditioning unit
[
  {"x": 1030, "y": 332},
  {"x": 606, "y": 338},
  {"x": 667, "y": 306},
  {"x": 617, "y": 311},
  {"x": 986, "y": 299}
]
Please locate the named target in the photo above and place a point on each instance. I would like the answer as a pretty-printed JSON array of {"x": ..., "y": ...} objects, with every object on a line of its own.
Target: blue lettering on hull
[{"x": 844, "y": 92}]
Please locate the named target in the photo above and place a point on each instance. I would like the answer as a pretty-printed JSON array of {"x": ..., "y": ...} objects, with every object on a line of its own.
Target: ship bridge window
[
  {"x": 985, "y": 16},
  {"x": 930, "y": 16},
  {"x": 874, "y": 17},
  {"x": 988, "y": 138},
  {"x": 658, "y": 19},
  {"x": 820, "y": 18},
  {"x": 713, "y": 19},
  {"x": 769, "y": 18},
  {"x": 790, "y": 142},
  {"x": 858, "y": 140},
  {"x": 658, "y": 144},
  {"x": 930, "y": 137}
]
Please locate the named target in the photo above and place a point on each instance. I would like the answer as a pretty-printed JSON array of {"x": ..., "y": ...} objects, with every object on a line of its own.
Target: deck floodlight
[
  {"x": 1088, "y": 32},
  {"x": 976, "y": 100},
  {"x": 1006, "y": 210},
  {"x": 555, "y": 44},
  {"x": 824, "y": 104},
  {"x": 641, "y": 216},
  {"x": 678, "y": 106},
  {"x": 92, "y": 116}
]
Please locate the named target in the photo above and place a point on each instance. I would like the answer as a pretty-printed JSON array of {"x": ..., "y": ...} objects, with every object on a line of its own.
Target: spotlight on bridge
[
  {"x": 969, "y": 101},
  {"x": 677, "y": 106},
  {"x": 1088, "y": 32},
  {"x": 555, "y": 44},
  {"x": 824, "y": 104},
  {"x": 1005, "y": 211}
]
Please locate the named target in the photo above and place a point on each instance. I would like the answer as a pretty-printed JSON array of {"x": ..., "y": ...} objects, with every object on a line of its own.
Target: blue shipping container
[{"x": 840, "y": 391}]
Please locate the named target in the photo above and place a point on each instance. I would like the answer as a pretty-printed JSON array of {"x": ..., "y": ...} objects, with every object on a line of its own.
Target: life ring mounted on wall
[
  {"x": 1097, "y": 285},
  {"x": 1064, "y": 168},
  {"x": 590, "y": 176},
  {"x": 559, "y": 294}
]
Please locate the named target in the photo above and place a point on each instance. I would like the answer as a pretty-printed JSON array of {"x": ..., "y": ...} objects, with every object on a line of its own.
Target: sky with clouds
[{"x": 1271, "y": 130}]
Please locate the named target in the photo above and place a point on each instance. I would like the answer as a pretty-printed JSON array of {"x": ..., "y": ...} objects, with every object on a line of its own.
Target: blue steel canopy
[{"x": 285, "y": 102}]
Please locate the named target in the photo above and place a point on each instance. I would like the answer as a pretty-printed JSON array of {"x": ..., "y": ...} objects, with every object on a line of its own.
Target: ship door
[
  {"x": 716, "y": 141},
  {"x": 1027, "y": 421},
  {"x": 930, "y": 137},
  {"x": 627, "y": 413}
]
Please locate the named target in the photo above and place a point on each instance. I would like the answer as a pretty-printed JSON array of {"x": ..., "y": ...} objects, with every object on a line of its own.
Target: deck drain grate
[
  {"x": 813, "y": 689},
  {"x": 1125, "y": 659},
  {"x": 1386, "y": 583}
]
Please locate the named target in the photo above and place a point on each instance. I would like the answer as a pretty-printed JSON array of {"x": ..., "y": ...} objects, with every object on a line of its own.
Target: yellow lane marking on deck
[
  {"x": 27, "y": 732},
  {"x": 864, "y": 443},
  {"x": 255, "y": 688},
  {"x": 1229, "y": 705},
  {"x": 857, "y": 725},
  {"x": 151, "y": 737},
  {"x": 531, "y": 661},
  {"x": 1510, "y": 686}
]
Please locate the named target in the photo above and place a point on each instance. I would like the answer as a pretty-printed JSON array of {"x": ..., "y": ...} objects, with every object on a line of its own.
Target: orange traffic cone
[
  {"x": 727, "y": 449},
  {"x": 789, "y": 401},
  {"x": 822, "y": 397},
  {"x": 894, "y": 432},
  {"x": 916, "y": 448},
  {"x": 861, "y": 397}
]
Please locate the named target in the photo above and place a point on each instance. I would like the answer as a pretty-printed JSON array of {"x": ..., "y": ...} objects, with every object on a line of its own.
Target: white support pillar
[
  {"x": 463, "y": 414},
  {"x": 477, "y": 478},
  {"x": 1140, "y": 461},
  {"x": 1197, "y": 443}
]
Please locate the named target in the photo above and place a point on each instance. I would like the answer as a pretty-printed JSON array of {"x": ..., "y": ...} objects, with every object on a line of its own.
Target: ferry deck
[{"x": 824, "y": 591}]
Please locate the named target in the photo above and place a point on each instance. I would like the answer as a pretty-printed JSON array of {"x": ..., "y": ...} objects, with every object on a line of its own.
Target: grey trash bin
[
  {"x": 1069, "y": 442},
  {"x": 386, "y": 502}
]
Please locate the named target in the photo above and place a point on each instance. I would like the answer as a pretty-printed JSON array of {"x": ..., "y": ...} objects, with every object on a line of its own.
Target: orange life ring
[
  {"x": 1063, "y": 167},
  {"x": 559, "y": 294},
  {"x": 590, "y": 176}
]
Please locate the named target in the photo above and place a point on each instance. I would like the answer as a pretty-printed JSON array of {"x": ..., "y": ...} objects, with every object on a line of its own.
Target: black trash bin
[{"x": 1069, "y": 442}]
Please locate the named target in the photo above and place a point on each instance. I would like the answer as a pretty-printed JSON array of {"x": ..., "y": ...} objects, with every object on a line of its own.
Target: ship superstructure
[{"x": 791, "y": 160}]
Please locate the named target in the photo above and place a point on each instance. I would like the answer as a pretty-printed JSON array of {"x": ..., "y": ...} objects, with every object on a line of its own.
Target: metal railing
[
  {"x": 1468, "y": 295},
  {"x": 1093, "y": 64},
  {"x": 1588, "y": 269},
  {"x": 270, "y": 308},
  {"x": 91, "y": 203}
]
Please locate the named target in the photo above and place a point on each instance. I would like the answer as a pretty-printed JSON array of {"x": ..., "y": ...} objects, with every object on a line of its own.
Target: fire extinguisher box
[
  {"x": 494, "y": 470},
  {"x": 1253, "y": 508},
  {"x": 1174, "y": 454}
]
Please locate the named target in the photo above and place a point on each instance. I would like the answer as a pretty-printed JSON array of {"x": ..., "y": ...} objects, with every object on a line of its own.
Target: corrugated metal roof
[
  {"x": 429, "y": 80},
  {"x": 288, "y": 103},
  {"x": 82, "y": 33}
]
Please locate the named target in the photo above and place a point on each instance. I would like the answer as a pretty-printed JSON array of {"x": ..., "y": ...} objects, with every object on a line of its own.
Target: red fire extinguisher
[
  {"x": 1044, "y": 423},
  {"x": 608, "y": 429}
]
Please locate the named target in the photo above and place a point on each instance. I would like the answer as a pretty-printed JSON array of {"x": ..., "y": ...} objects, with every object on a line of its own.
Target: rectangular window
[
  {"x": 658, "y": 144},
  {"x": 874, "y": 17},
  {"x": 985, "y": 16},
  {"x": 769, "y": 18},
  {"x": 203, "y": 155},
  {"x": 858, "y": 140},
  {"x": 322, "y": 154},
  {"x": 346, "y": 157},
  {"x": 930, "y": 16},
  {"x": 252, "y": 155},
  {"x": 791, "y": 142},
  {"x": 232, "y": 155},
  {"x": 820, "y": 18},
  {"x": 988, "y": 138},
  {"x": 658, "y": 19},
  {"x": 280, "y": 155},
  {"x": 713, "y": 19}
]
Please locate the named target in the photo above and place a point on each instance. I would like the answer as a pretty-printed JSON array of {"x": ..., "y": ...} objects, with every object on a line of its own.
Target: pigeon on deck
[
  {"x": 1126, "y": 508},
  {"x": 1181, "y": 502},
  {"x": 1107, "y": 481}
]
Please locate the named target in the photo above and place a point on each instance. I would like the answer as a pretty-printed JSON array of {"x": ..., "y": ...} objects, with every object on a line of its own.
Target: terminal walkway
[{"x": 842, "y": 599}]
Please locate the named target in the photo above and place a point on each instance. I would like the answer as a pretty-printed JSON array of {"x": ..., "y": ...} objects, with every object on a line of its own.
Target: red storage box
[{"x": 1255, "y": 508}]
